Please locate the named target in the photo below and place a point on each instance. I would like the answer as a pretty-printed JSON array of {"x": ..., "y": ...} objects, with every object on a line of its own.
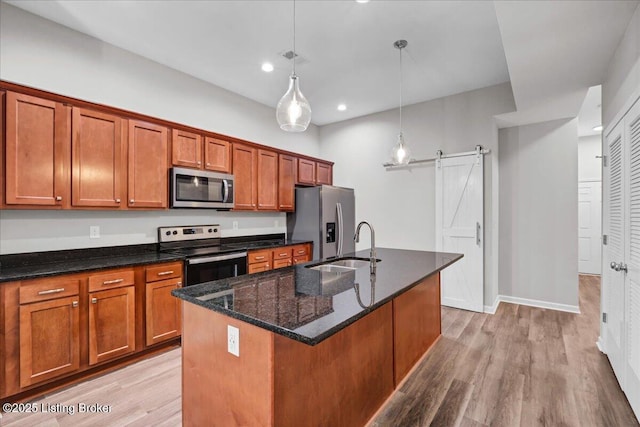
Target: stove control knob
[
  {"x": 211, "y": 230},
  {"x": 168, "y": 233},
  {"x": 175, "y": 232},
  {"x": 215, "y": 230}
]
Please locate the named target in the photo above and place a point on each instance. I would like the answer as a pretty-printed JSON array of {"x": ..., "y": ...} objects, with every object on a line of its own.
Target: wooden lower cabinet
[
  {"x": 162, "y": 311},
  {"x": 112, "y": 324},
  {"x": 59, "y": 329},
  {"x": 271, "y": 259},
  {"x": 49, "y": 339}
]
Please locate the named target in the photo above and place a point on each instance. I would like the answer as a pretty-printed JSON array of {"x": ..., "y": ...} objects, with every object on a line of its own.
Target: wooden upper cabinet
[
  {"x": 49, "y": 339},
  {"x": 267, "y": 180},
  {"x": 97, "y": 159},
  {"x": 324, "y": 174},
  {"x": 148, "y": 168},
  {"x": 245, "y": 176},
  {"x": 286, "y": 182},
  {"x": 186, "y": 149},
  {"x": 217, "y": 155},
  {"x": 306, "y": 172},
  {"x": 37, "y": 151}
]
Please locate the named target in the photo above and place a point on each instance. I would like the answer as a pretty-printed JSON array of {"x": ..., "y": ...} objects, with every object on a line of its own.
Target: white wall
[
  {"x": 539, "y": 212},
  {"x": 589, "y": 166},
  {"x": 623, "y": 75},
  {"x": 401, "y": 203},
  {"x": 41, "y": 54}
]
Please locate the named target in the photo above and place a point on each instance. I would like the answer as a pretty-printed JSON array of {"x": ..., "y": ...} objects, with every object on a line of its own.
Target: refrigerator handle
[{"x": 340, "y": 230}]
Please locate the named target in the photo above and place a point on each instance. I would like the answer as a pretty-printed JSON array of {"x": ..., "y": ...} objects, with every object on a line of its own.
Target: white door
[
  {"x": 459, "y": 229},
  {"x": 589, "y": 227},
  {"x": 632, "y": 258},
  {"x": 613, "y": 282}
]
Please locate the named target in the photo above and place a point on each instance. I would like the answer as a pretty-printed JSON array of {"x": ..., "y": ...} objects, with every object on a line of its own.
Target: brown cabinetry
[
  {"x": 267, "y": 180},
  {"x": 271, "y": 259},
  {"x": 217, "y": 155},
  {"x": 258, "y": 261},
  {"x": 245, "y": 176},
  {"x": 314, "y": 173},
  {"x": 49, "y": 330},
  {"x": 148, "y": 168},
  {"x": 162, "y": 310},
  {"x": 96, "y": 158},
  {"x": 37, "y": 151},
  {"x": 112, "y": 316},
  {"x": 324, "y": 173},
  {"x": 286, "y": 182},
  {"x": 301, "y": 253},
  {"x": 186, "y": 149}
]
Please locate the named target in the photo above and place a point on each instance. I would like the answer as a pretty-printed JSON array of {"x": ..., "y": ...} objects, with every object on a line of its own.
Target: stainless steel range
[{"x": 206, "y": 259}]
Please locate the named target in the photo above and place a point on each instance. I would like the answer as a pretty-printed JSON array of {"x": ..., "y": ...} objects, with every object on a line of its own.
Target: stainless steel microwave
[{"x": 191, "y": 188}]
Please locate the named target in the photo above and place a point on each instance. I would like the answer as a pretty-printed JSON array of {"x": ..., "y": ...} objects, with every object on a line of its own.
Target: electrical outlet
[
  {"x": 233, "y": 340},
  {"x": 94, "y": 232},
  {"x": 235, "y": 225}
]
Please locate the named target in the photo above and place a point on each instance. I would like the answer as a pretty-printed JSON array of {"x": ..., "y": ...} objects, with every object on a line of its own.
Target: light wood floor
[{"x": 522, "y": 366}]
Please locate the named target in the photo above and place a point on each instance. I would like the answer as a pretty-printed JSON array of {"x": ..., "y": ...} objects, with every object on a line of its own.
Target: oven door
[{"x": 207, "y": 269}]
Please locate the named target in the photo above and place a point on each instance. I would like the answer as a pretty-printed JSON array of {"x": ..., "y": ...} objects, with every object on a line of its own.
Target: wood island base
[{"x": 278, "y": 381}]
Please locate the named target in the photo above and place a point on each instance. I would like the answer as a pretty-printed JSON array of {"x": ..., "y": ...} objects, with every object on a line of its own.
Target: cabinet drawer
[
  {"x": 300, "y": 250},
  {"x": 162, "y": 272},
  {"x": 43, "y": 290},
  {"x": 115, "y": 279},
  {"x": 259, "y": 256},
  {"x": 301, "y": 259},
  {"x": 258, "y": 267},
  {"x": 282, "y": 253},
  {"x": 280, "y": 263}
]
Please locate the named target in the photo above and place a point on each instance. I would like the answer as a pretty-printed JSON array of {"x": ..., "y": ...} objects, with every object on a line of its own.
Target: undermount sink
[{"x": 342, "y": 265}]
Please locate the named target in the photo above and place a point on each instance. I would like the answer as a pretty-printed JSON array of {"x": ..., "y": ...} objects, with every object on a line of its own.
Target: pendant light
[
  {"x": 400, "y": 154},
  {"x": 293, "y": 111}
]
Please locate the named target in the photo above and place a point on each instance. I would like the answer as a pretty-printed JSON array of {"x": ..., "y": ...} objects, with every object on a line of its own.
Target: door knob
[{"x": 614, "y": 266}]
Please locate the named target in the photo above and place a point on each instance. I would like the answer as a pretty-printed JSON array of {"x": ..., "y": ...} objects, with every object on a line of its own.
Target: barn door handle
[{"x": 478, "y": 233}]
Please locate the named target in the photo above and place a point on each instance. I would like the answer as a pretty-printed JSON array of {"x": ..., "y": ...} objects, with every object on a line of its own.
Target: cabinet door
[
  {"x": 267, "y": 180},
  {"x": 112, "y": 324},
  {"x": 97, "y": 159},
  {"x": 306, "y": 172},
  {"x": 49, "y": 339},
  {"x": 148, "y": 167},
  {"x": 186, "y": 149},
  {"x": 163, "y": 311},
  {"x": 37, "y": 151},
  {"x": 286, "y": 182},
  {"x": 217, "y": 155},
  {"x": 245, "y": 176},
  {"x": 324, "y": 174}
]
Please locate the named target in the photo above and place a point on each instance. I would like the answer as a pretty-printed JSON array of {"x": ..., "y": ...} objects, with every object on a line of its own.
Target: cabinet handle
[
  {"x": 283, "y": 254},
  {"x": 179, "y": 284},
  {"x": 164, "y": 273},
  {"x": 94, "y": 300},
  {"x": 51, "y": 291},
  {"x": 199, "y": 162},
  {"x": 58, "y": 198},
  {"x": 117, "y": 200},
  {"x": 208, "y": 164},
  {"x": 267, "y": 265},
  {"x": 74, "y": 304},
  {"x": 132, "y": 201},
  {"x": 259, "y": 257},
  {"x": 111, "y": 282}
]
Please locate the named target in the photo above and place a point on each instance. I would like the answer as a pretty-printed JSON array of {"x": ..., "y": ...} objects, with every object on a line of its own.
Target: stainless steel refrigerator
[{"x": 326, "y": 215}]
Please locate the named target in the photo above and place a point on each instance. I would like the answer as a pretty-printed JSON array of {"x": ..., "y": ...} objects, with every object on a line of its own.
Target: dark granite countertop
[
  {"x": 309, "y": 305},
  {"x": 43, "y": 264}
]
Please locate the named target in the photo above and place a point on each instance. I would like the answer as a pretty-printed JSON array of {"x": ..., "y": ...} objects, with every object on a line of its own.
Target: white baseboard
[
  {"x": 600, "y": 345},
  {"x": 491, "y": 309},
  {"x": 532, "y": 303}
]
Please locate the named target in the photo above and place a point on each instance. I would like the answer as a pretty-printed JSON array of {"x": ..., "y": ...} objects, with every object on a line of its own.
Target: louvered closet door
[
  {"x": 613, "y": 282},
  {"x": 632, "y": 258}
]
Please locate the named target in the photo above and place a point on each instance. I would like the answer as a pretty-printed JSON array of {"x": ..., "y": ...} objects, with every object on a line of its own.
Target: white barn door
[{"x": 460, "y": 228}]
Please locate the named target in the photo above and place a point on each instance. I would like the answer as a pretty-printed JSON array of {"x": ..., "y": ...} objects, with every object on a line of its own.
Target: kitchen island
[{"x": 314, "y": 347}]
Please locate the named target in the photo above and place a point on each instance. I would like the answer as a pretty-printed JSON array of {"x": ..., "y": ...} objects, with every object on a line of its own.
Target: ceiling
[{"x": 551, "y": 52}]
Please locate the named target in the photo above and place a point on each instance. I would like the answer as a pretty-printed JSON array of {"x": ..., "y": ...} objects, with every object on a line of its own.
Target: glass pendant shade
[
  {"x": 293, "y": 111},
  {"x": 400, "y": 155}
]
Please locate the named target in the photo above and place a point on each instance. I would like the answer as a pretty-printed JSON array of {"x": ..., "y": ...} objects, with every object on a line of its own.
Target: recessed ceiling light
[
  {"x": 267, "y": 67},
  {"x": 362, "y": 1},
  {"x": 342, "y": 107},
  {"x": 598, "y": 128}
]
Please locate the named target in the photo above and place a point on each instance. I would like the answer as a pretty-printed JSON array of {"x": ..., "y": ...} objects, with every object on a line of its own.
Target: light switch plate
[{"x": 233, "y": 340}]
